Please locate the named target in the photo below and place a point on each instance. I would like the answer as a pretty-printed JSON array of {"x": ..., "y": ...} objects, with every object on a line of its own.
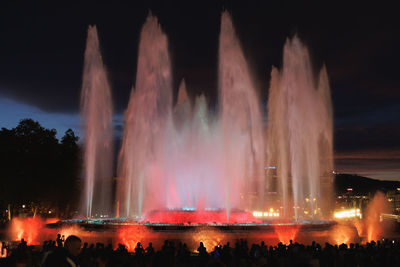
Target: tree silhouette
[{"x": 37, "y": 167}]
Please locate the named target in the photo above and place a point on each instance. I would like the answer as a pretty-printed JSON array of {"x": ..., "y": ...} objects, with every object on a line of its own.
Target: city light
[
  {"x": 347, "y": 214},
  {"x": 270, "y": 213}
]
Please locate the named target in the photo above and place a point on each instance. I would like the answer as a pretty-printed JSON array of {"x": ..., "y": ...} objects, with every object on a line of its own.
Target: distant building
[{"x": 393, "y": 197}]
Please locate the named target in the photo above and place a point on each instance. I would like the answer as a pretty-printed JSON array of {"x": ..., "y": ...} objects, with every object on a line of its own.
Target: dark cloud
[
  {"x": 371, "y": 149},
  {"x": 382, "y": 164},
  {"x": 377, "y": 136}
]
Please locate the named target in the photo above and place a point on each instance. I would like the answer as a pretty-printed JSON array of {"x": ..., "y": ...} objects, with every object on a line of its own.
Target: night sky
[{"x": 42, "y": 46}]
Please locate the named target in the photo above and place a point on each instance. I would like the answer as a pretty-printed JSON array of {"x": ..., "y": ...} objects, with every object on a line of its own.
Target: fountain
[
  {"x": 241, "y": 122},
  {"x": 97, "y": 120},
  {"x": 299, "y": 141},
  {"x": 183, "y": 166},
  {"x": 141, "y": 165},
  {"x": 183, "y": 157}
]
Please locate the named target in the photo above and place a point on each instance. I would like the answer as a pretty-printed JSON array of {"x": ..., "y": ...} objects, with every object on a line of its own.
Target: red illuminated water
[
  {"x": 199, "y": 217},
  {"x": 287, "y": 233},
  {"x": 374, "y": 228},
  {"x": 34, "y": 231}
]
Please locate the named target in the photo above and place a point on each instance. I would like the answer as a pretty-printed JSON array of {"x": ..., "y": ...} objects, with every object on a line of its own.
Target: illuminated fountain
[
  {"x": 184, "y": 157},
  {"x": 299, "y": 141},
  {"x": 97, "y": 120},
  {"x": 183, "y": 166}
]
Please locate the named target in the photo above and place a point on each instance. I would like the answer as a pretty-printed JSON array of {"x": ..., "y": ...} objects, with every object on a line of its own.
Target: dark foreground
[{"x": 381, "y": 253}]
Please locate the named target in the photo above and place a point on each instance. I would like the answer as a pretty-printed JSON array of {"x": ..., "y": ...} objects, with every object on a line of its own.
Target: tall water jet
[
  {"x": 183, "y": 108},
  {"x": 325, "y": 143},
  {"x": 126, "y": 185},
  {"x": 278, "y": 145},
  {"x": 141, "y": 167},
  {"x": 96, "y": 108},
  {"x": 300, "y": 134},
  {"x": 242, "y": 123}
]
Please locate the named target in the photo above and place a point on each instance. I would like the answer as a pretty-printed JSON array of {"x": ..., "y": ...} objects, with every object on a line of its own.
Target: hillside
[{"x": 362, "y": 185}]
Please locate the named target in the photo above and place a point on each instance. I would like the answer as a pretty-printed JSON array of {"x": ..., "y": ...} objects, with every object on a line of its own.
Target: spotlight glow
[{"x": 348, "y": 214}]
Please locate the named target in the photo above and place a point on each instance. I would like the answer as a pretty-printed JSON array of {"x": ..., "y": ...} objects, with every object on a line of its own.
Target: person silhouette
[
  {"x": 150, "y": 250},
  {"x": 139, "y": 251},
  {"x": 202, "y": 250},
  {"x": 59, "y": 241}
]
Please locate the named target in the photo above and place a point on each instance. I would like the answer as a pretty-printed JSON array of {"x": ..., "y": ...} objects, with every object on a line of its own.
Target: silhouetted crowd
[{"x": 71, "y": 252}]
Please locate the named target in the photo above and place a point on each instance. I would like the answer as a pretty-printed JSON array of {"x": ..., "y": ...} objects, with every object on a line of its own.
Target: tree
[
  {"x": 36, "y": 166},
  {"x": 71, "y": 166}
]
